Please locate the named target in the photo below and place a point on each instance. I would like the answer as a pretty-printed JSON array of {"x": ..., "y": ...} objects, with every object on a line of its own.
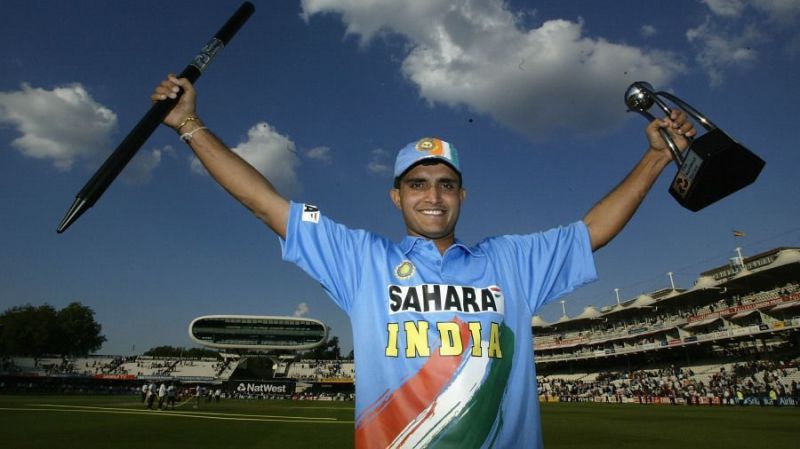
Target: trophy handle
[
  {"x": 697, "y": 115},
  {"x": 639, "y": 98}
]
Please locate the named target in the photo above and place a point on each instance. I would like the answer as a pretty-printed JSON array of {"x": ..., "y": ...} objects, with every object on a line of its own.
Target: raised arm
[
  {"x": 232, "y": 172},
  {"x": 607, "y": 218}
]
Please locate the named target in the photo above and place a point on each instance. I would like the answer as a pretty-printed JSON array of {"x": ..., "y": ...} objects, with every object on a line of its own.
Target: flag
[{"x": 738, "y": 233}]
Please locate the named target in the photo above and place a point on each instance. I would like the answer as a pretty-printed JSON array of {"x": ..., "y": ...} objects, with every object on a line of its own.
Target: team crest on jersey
[{"x": 405, "y": 270}]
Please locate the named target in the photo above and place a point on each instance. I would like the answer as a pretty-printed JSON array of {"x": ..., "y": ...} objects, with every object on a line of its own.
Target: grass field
[{"x": 89, "y": 422}]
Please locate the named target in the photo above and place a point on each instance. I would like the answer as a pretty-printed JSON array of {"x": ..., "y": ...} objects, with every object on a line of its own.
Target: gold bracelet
[{"x": 190, "y": 118}]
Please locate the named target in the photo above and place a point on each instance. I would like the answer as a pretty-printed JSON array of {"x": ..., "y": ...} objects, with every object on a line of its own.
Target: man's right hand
[{"x": 169, "y": 88}]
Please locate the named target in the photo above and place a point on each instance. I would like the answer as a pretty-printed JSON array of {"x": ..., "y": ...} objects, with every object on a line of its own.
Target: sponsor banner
[
  {"x": 691, "y": 339},
  {"x": 157, "y": 378},
  {"x": 190, "y": 379},
  {"x": 258, "y": 388},
  {"x": 702, "y": 317},
  {"x": 336, "y": 380},
  {"x": 754, "y": 306},
  {"x": 745, "y": 307},
  {"x": 777, "y": 325},
  {"x": 115, "y": 376},
  {"x": 674, "y": 342}
]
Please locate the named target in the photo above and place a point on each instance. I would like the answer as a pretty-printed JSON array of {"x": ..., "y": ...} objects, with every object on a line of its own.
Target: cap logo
[{"x": 431, "y": 146}]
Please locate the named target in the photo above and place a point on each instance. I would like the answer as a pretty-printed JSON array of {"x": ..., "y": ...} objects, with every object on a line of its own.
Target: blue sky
[{"x": 320, "y": 94}]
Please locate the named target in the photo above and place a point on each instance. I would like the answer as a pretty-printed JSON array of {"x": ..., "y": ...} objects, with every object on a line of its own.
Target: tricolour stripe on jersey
[{"x": 384, "y": 420}]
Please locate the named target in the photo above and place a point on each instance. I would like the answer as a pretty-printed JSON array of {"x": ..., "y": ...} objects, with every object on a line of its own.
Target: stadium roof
[
  {"x": 589, "y": 313},
  {"x": 537, "y": 321},
  {"x": 763, "y": 269},
  {"x": 642, "y": 301},
  {"x": 258, "y": 333}
]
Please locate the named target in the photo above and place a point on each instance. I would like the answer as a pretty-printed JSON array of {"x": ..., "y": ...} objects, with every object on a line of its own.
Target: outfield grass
[
  {"x": 619, "y": 426},
  {"x": 88, "y": 422},
  {"x": 112, "y": 422}
]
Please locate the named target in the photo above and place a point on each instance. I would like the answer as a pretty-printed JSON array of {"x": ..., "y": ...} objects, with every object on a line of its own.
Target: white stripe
[{"x": 445, "y": 408}]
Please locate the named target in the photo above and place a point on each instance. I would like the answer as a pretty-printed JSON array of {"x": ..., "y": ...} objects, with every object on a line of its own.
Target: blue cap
[{"x": 426, "y": 148}]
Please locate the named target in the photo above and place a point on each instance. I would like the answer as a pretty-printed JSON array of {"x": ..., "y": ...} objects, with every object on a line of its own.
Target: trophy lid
[{"x": 639, "y": 96}]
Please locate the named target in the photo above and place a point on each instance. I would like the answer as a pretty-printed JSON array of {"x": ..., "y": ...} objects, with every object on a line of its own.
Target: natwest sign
[{"x": 258, "y": 388}]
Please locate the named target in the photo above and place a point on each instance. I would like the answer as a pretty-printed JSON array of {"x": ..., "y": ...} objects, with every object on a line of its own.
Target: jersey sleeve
[
  {"x": 329, "y": 252},
  {"x": 550, "y": 264}
]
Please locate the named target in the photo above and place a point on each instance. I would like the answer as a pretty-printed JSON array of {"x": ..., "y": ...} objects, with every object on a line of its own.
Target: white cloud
[
  {"x": 63, "y": 124},
  {"x": 140, "y": 169},
  {"x": 380, "y": 162},
  {"x": 719, "y": 50},
  {"x": 725, "y": 8},
  {"x": 722, "y": 45},
  {"x": 648, "y": 31},
  {"x": 271, "y": 153},
  {"x": 781, "y": 11},
  {"x": 301, "y": 310},
  {"x": 478, "y": 54},
  {"x": 321, "y": 154}
]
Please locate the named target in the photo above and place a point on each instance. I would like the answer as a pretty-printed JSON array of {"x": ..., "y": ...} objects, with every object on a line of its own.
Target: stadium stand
[
  {"x": 697, "y": 345},
  {"x": 733, "y": 338}
]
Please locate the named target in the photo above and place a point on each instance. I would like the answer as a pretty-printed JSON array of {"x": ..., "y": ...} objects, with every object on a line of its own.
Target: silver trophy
[{"x": 712, "y": 167}]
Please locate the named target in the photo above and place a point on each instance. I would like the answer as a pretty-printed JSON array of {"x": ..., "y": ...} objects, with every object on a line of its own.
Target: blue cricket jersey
[{"x": 443, "y": 344}]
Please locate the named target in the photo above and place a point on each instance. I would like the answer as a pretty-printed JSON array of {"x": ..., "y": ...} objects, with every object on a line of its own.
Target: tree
[
  {"x": 37, "y": 331},
  {"x": 173, "y": 352},
  {"x": 79, "y": 332},
  {"x": 28, "y": 330}
]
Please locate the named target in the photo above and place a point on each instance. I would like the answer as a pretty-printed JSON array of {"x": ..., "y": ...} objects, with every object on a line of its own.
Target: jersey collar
[{"x": 409, "y": 242}]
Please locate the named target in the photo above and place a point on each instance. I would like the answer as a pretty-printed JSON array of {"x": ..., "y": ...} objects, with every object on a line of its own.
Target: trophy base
[{"x": 715, "y": 166}]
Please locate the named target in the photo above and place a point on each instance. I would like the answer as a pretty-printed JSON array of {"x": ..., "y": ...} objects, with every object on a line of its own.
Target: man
[
  {"x": 162, "y": 395},
  {"x": 442, "y": 330},
  {"x": 171, "y": 396},
  {"x": 198, "y": 395},
  {"x": 151, "y": 395}
]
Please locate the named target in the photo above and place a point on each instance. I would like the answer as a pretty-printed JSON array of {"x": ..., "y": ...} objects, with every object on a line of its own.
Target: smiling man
[
  {"x": 428, "y": 191},
  {"x": 441, "y": 329}
]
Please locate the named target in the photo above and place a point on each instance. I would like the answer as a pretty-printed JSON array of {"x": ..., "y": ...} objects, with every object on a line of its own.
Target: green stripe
[{"x": 475, "y": 423}]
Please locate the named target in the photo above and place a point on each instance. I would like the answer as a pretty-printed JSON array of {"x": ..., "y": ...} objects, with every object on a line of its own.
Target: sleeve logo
[{"x": 310, "y": 213}]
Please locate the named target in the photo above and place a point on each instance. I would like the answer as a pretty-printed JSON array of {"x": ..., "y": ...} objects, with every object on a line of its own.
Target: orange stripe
[{"x": 391, "y": 415}]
